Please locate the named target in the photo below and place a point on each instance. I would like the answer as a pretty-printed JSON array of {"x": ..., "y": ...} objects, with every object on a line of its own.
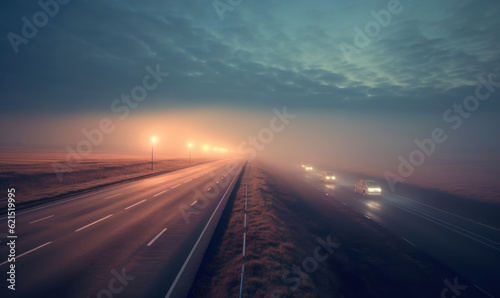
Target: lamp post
[
  {"x": 153, "y": 140},
  {"x": 190, "y": 145}
]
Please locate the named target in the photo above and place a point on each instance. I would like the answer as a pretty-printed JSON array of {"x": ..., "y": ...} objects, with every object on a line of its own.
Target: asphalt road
[
  {"x": 461, "y": 234},
  {"x": 127, "y": 240}
]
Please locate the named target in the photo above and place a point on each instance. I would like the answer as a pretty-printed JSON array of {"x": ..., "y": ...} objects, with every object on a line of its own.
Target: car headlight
[{"x": 374, "y": 189}]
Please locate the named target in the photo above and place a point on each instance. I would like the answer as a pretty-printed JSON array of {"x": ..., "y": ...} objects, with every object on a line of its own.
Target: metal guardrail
[{"x": 244, "y": 235}]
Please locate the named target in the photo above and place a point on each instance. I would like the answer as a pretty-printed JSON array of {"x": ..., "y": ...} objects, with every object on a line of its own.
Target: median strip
[
  {"x": 93, "y": 223},
  {"x": 135, "y": 204}
]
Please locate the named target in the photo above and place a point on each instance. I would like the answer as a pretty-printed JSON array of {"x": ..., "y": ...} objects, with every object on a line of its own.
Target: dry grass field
[{"x": 33, "y": 176}]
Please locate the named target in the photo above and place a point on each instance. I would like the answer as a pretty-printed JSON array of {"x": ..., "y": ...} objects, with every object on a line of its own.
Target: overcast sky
[
  {"x": 365, "y": 79},
  {"x": 262, "y": 54}
]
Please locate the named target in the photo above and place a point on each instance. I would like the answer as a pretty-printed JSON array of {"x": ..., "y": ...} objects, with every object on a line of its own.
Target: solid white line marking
[
  {"x": 194, "y": 203},
  {"x": 484, "y": 291},
  {"x": 407, "y": 241},
  {"x": 176, "y": 186},
  {"x": 157, "y": 236},
  {"x": 28, "y": 252},
  {"x": 159, "y": 193},
  {"x": 93, "y": 223},
  {"x": 41, "y": 219},
  {"x": 135, "y": 204},
  {"x": 197, "y": 242},
  {"x": 112, "y": 196}
]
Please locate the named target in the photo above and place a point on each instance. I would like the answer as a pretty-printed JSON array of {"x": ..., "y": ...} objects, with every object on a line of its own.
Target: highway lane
[
  {"x": 462, "y": 240},
  {"x": 127, "y": 240}
]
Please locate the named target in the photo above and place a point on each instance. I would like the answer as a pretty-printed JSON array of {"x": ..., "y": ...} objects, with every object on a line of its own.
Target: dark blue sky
[
  {"x": 366, "y": 79},
  {"x": 261, "y": 55}
]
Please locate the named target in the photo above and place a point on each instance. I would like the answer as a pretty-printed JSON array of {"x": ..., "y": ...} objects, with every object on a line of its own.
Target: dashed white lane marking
[
  {"x": 367, "y": 216},
  {"x": 135, "y": 204},
  {"x": 157, "y": 236},
  {"x": 194, "y": 203},
  {"x": 30, "y": 251},
  {"x": 159, "y": 194},
  {"x": 407, "y": 241},
  {"x": 41, "y": 219},
  {"x": 176, "y": 186},
  {"x": 187, "y": 180},
  {"x": 174, "y": 284},
  {"x": 93, "y": 223},
  {"x": 112, "y": 196}
]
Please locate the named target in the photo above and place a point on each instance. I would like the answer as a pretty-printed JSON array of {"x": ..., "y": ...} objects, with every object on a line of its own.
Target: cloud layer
[{"x": 262, "y": 54}]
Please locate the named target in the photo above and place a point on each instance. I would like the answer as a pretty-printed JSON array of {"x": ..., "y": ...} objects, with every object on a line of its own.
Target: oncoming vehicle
[
  {"x": 367, "y": 187},
  {"x": 308, "y": 168},
  {"x": 327, "y": 176}
]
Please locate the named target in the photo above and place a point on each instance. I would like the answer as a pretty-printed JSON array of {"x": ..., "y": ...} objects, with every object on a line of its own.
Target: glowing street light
[{"x": 153, "y": 140}]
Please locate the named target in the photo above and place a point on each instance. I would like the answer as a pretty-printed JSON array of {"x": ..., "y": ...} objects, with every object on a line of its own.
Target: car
[
  {"x": 367, "y": 187},
  {"x": 307, "y": 168},
  {"x": 327, "y": 176}
]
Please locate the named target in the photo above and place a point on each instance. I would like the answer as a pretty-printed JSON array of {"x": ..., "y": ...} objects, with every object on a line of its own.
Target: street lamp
[
  {"x": 153, "y": 140},
  {"x": 190, "y": 145}
]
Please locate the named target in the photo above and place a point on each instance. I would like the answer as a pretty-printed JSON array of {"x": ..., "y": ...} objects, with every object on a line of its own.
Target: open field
[
  {"x": 282, "y": 233},
  {"x": 34, "y": 177}
]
